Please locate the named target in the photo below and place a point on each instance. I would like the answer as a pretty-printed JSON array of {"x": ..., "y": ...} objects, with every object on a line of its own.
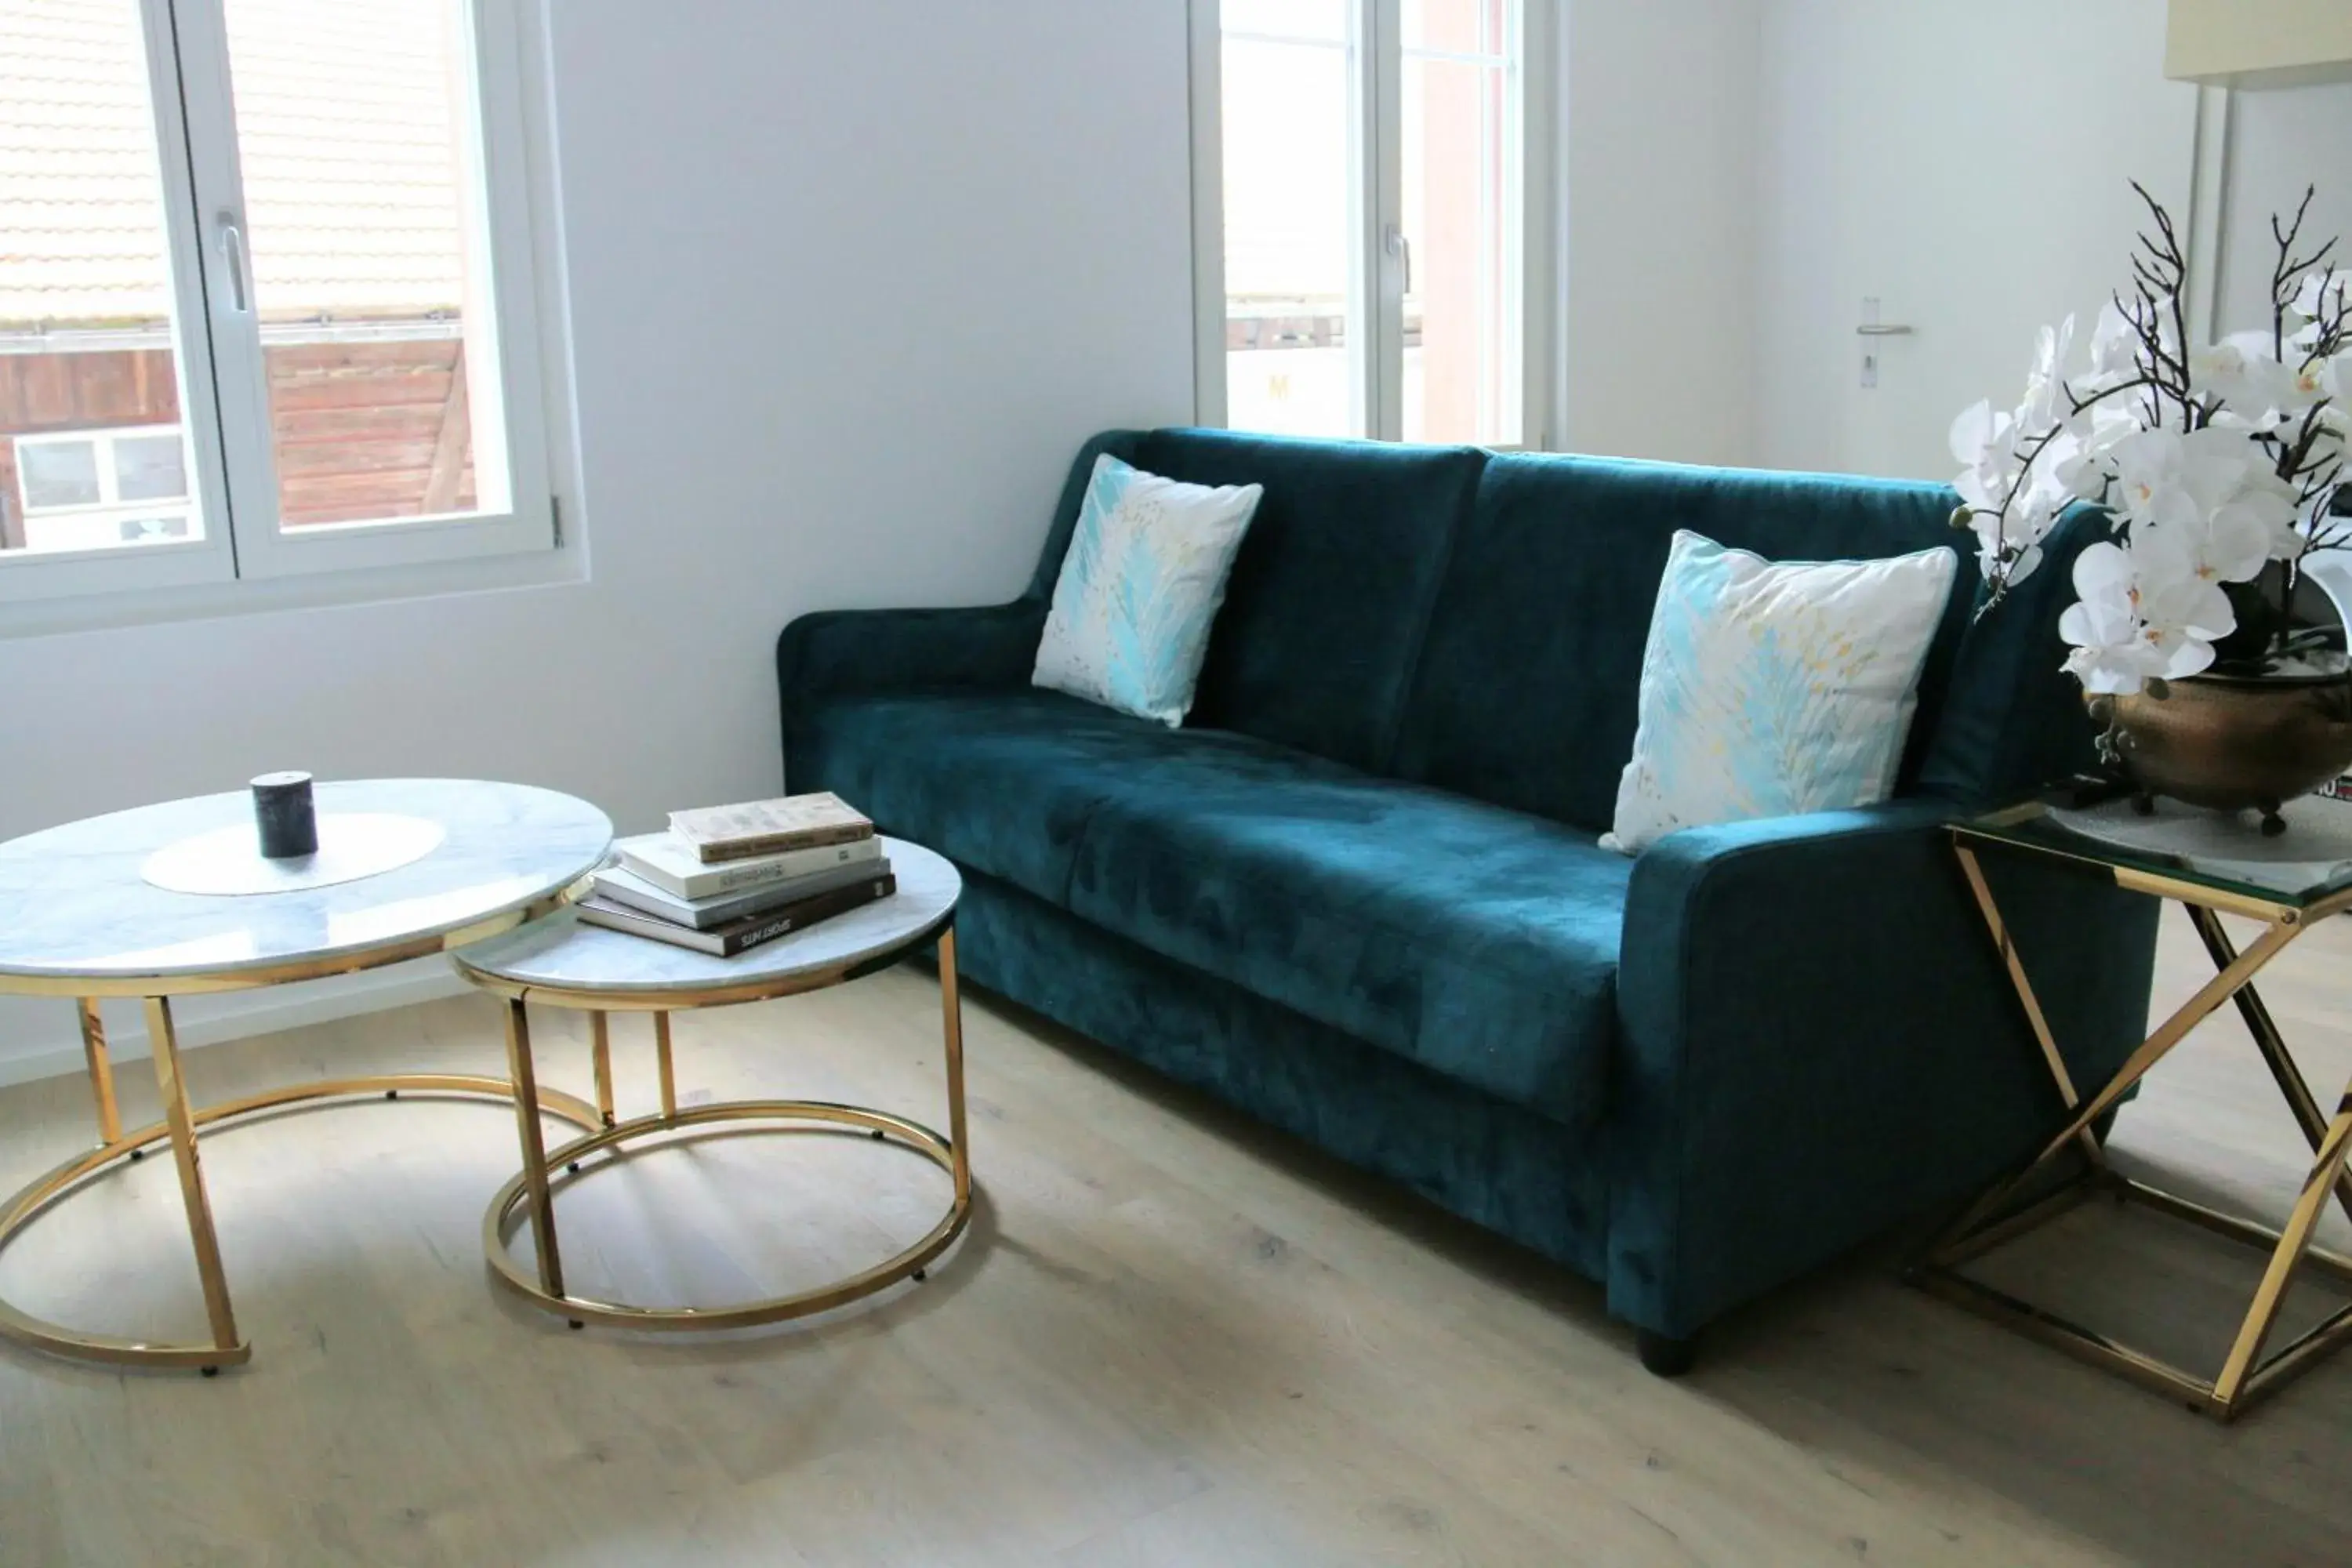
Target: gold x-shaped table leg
[{"x": 1997, "y": 1217}]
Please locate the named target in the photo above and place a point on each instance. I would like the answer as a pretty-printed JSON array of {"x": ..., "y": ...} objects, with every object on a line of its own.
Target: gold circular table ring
[
  {"x": 84, "y": 1170},
  {"x": 79, "y": 920},
  {"x": 561, "y": 963},
  {"x": 795, "y": 1115}
]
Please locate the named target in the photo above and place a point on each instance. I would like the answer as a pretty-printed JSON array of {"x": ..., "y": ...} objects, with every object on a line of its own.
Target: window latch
[
  {"x": 1401, "y": 248},
  {"x": 233, "y": 261}
]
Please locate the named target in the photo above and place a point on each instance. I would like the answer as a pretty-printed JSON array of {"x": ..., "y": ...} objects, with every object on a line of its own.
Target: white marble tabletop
[
  {"x": 75, "y": 902},
  {"x": 561, "y": 954}
]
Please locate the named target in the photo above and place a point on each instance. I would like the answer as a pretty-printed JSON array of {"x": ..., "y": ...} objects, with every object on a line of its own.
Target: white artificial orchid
[
  {"x": 2325, "y": 291},
  {"x": 2326, "y": 294},
  {"x": 2207, "y": 459},
  {"x": 2335, "y": 381},
  {"x": 2178, "y": 570},
  {"x": 2115, "y": 352},
  {"x": 2248, "y": 380},
  {"x": 2008, "y": 517},
  {"x": 2212, "y": 480},
  {"x": 2083, "y": 462},
  {"x": 2115, "y": 650},
  {"x": 2046, "y": 401}
]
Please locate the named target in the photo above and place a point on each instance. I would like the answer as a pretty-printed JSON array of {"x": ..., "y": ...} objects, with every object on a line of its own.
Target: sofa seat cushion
[
  {"x": 999, "y": 782},
  {"x": 1479, "y": 943}
]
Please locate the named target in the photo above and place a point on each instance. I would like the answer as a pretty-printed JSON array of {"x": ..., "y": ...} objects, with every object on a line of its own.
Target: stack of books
[{"x": 727, "y": 878}]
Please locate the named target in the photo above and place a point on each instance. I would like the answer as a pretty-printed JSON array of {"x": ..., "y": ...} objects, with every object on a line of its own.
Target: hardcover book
[
  {"x": 669, "y": 863},
  {"x": 770, "y": 826},
  {"x": 737, "y": 936},
  {"x": 622, "y": 886}
]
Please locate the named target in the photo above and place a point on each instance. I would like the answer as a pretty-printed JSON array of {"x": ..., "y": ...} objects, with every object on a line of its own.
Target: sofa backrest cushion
[
  {"x": 2013, "y": 720},
  {"x": 1330, "y": 594},
  {"x": 1526, "y": 692}
]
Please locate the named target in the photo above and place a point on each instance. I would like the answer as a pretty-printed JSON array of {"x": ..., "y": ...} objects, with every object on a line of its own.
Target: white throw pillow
[
  {"x": 1770, "y": 689},
  {"x": 1139, "y": 590}
]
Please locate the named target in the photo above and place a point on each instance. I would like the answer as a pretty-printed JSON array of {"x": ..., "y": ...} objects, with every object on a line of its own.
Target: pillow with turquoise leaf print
[
  {"x": 1140, "y": 588},
  {"x": 1771, "y": 689}
]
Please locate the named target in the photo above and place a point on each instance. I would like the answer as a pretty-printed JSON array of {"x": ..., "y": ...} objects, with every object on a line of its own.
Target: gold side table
[
  {"x": 2212, "y": 866},
  {"x": 559, "y": 963},
  {"x": 174, "y": 900}
]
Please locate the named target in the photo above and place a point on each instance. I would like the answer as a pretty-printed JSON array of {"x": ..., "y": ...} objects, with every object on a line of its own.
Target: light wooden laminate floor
[{"x": 1170, "y": 1337}]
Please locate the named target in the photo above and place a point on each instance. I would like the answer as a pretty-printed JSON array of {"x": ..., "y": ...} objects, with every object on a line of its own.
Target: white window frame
[
  {"x": 1377, "y": 217},
  {"x": 245, "y": 559}
]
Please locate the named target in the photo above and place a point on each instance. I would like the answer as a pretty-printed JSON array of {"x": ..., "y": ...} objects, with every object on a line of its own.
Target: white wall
[
  {"x": 1968, "y": 165},
  {"x": 849, "y": 283},
  {"x": 2282, "y": 139},
  {"x": 1658, "y": 123}
]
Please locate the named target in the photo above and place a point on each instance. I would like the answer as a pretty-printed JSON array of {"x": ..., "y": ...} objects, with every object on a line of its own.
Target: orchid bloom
[
  {"x": 2141, "y": 615},
  {"x": 2326, "y": 292},
  {"x": 2112, "y": 652},
  {"x": 2248, "y": 378},
  {"x": 2046, "y": 403}
]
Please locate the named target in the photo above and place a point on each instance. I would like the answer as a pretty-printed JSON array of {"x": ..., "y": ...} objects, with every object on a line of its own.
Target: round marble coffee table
[
  {"x": 174, "y": 900},
  {"x": 561, "y": 963}
]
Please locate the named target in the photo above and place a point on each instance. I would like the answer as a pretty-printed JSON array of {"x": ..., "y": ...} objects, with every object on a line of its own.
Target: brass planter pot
[{"x": 2228, "y": 743}]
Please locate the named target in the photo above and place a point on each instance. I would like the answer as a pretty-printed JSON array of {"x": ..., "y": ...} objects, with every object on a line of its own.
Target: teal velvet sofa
[{"x": 1359, "y": 894}]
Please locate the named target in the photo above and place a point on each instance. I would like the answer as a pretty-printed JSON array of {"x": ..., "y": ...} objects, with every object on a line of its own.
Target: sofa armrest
[
  {"x": 844, "y": 653},
  {"x": 1819, "y": 1041}
]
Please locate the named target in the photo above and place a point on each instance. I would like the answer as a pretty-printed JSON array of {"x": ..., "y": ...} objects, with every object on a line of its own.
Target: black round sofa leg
[{"x": 1664, "y": 1355}]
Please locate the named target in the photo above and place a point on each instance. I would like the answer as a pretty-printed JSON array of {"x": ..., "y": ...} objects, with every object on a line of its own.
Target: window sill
[{"x": 564, "y": 564}]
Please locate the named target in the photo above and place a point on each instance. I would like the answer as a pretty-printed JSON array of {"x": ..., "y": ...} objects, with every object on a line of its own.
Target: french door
[{"x": 1365, "y": 197}]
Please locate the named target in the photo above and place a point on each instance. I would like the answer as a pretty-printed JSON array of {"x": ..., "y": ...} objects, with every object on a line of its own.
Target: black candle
[{"x": 284, "y": 817}]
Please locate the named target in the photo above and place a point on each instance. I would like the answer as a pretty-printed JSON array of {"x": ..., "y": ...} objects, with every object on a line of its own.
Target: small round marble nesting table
[
  {"x": 561, "y": 963},
  {"x": 173, "y": 900}
]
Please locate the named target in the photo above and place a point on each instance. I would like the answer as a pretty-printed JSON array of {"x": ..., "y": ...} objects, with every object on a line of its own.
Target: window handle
[
  {"x": 233, "y": 259},
  {"x": 1401, "y": 248}
]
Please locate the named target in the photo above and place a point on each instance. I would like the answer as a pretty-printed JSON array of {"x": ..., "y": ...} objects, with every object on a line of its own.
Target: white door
[{"x": 1968, "y": 168}]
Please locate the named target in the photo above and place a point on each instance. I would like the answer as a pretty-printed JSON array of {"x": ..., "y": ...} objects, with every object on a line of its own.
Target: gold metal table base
[
  {"x": 1943, "y": 1278},
  {"x": 2034, "y": 1196},
  {"x": 179, "y": 1128},
  {"x": 533, "y": 1188},
  {"x": 800, "y": 1116}
]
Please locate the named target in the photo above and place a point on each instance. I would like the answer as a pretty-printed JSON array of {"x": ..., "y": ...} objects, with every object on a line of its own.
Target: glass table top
[
  {"x": 83, "y": 901},
  {"x": 2224, "y": 852}
]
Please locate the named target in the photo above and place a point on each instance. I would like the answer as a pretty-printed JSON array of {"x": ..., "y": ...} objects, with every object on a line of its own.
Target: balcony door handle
[
  {"x": 234, "y": 261},
  {"x": 1879, "y": 329},
  {"x": 1401, "y": 248}
]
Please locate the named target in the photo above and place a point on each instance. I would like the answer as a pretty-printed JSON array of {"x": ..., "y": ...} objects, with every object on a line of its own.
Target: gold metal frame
[
  {"x": 536, "y": 1185},
  {"x": 182, "y": 1121},
  {"x": 2247, "y": 1374}
]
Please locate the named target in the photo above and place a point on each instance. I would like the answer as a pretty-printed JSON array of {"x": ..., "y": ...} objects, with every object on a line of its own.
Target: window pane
[
  {"x": 360, "y": 149},
  {"x": 1292, "y": 330},
  {"x": 87, "y": 337},
  {"x": 149, "y": 468},
  {"x": 57, "y": 474},
  {"x": 1462, "y": 308},
  {"x": 1454, "y": 26},
  {"x": 1326, "y": 19}
]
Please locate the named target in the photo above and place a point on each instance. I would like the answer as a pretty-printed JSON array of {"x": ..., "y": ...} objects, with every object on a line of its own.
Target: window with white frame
[
  {"x": 1374, "y": 219},
  {"x": 266, "y": 303}
]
